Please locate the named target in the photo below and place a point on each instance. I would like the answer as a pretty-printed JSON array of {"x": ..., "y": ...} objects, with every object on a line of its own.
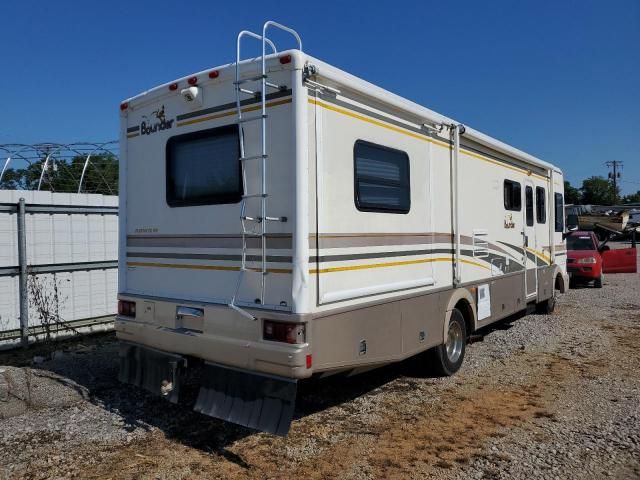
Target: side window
[
  {"x": 559, "y": 212},
  {"x": 541, "y": 210},
  {"x": 528, "y": 198},
  {"x": 512, "y": 196},
  {"x": 381, "y": 178}
]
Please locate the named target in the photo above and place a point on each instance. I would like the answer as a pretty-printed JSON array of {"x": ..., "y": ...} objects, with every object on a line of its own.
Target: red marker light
[
  {"x": 214, "y": 74},
  {"x": 285, "y": 59},
  {"x": 192, "y": 81},
  {"x": 309, "y": 361},
  {"x": 124, "y": 106},
  {"x": 173, "y": 86}
]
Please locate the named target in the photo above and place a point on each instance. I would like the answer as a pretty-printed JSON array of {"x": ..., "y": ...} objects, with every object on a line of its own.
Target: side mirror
[
  {"x": 573, "y": 228},
  {"x": 604, "y": 248}
]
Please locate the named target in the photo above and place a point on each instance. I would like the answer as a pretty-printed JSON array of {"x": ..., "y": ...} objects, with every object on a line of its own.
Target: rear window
[
  {"x": 203, "y": 168},
  {"x": 381, "y": 178}
]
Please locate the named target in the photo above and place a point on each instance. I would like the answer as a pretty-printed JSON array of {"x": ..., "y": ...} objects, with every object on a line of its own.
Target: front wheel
[
  {"x": 598, "y": 281},
  {"x": 548, "y": 306},
  {"x": 446, "y": 359}
]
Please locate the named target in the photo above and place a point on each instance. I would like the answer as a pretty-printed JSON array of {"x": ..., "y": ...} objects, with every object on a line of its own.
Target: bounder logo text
[{"x": 148, "y": 127}]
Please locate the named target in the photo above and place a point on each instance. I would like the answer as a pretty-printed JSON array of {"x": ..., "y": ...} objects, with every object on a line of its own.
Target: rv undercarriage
[{"x": 259, "y": 401}]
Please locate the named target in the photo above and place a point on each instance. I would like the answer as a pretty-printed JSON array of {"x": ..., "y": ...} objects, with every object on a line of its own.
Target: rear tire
[
  {"x": 446, "y": 359},
  {"x": 598, "y": 281}
]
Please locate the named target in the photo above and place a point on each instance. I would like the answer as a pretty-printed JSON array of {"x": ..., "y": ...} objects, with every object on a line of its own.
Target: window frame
[
  {"x": 559, "y": 225},
  {"x": 356, "y": 196},
  {"x": 529, "y": 209},
  {"x": 219, "y": 199},
  {"x": 541, "y": 205},
  {"x": 504, "y": 197}
]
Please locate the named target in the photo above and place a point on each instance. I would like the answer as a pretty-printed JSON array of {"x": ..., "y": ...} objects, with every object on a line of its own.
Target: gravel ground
[{"x": 538, "y": 397}]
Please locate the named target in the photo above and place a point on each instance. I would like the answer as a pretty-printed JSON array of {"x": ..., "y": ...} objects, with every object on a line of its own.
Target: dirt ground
[{"x": 540, "y": 396}]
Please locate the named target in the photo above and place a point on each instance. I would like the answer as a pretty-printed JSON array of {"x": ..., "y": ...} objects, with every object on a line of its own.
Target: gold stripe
[
  {"x": 417, "y": 136},
  {"x": 232, "y": 112},
  {"x": 131, "y": 135},
  {"x": 202, "y": 267},
  {"x": 539, "y": 254},
  {"x": 392, "y": 264}
]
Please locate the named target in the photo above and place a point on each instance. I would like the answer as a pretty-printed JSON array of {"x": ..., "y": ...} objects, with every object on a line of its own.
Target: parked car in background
[{"x": 588, "y": 259}]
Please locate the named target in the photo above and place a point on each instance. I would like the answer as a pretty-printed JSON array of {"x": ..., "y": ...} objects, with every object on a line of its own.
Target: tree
[
  {"x": 598, "y": 191},
  {"x": 632, "y": 198},
  {"x": 571, "y": 194},
  {"x": 101, "y": 175}
]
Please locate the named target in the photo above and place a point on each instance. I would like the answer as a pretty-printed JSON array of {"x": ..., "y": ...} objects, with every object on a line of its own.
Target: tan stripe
[
  {"x": 131, "y": 135},
  {"x": 232, "y": 112},
  {"x": 201, "y": 267}
]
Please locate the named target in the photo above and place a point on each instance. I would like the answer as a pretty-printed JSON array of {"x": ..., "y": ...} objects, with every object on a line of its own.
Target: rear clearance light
[
  {"x": 124, "y": 106},
  {"x": 285, "y": 59},
  {"x": 193, "y": 81},
  {"x": 214, "y": 74},
  {"x": 293, "y": 333},
  {"x": 173, "y": 86},
  {"x": 309, "y": 361},
  {"x": 126, "y": 308}
]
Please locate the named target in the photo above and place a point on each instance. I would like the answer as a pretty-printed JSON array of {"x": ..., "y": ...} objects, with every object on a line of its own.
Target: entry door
[{"x": 531, "y": 277}]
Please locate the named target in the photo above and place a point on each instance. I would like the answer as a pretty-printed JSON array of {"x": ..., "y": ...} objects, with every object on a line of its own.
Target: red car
[{"x": 587, "y": 260}]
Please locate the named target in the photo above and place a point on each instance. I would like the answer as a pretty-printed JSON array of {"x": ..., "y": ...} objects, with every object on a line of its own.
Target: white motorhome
[{"x": 281, "y": 218}]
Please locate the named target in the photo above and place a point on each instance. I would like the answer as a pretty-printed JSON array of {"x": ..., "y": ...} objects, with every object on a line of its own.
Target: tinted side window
[
  {"x": 381, "y": 178},
  {"x": 541, "y": 207},
  {"x": 512, "y": 196},
  {"x": 528, "y": 194},
  {"x": 203, "y": 168},
  {"x": 559, "y": 212}
]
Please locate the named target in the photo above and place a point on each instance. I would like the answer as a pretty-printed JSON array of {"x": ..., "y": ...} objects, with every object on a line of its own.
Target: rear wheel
[
  {"x": 598, "y": 281},
  {"x": 446, "y": 359}
]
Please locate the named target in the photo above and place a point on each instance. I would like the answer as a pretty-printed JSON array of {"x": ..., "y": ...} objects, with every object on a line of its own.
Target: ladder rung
[
  {"x": 276, "y": 219},
  {"x": 252, "y": 219},
  {"x": 248, "y": 92},
  {"x": 253, "y": 234},
  {"x": 254, "y": 157},
  {"x": 250, "y": 79},
  {"x": 251, "y": 119},
  {"x": 273, "y": 85},
  {"x": 256, "y": 195}
]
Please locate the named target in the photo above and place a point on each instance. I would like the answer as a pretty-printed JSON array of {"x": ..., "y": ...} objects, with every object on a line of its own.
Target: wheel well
[{"x": 467, "y": 313}]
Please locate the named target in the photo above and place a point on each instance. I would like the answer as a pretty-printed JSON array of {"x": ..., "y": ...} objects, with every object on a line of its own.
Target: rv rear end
[{"x": 182, "y": 246}]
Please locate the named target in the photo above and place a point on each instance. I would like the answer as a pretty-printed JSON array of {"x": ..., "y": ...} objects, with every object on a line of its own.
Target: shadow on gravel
[{"x": 90, "y": 365}]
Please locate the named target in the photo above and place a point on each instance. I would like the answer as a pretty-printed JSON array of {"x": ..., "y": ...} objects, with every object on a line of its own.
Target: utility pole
[{"x": 614, "y": 176}]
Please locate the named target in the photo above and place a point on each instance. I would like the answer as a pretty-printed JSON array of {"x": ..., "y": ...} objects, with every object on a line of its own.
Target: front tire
[
  {"x": 598, "y": 281},
  {"x": 548, "y": 306},
  {"x": 446, "y": 359}
]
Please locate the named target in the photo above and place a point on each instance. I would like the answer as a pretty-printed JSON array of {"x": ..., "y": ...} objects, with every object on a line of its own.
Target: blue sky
[{"x": 558, "y": 79}]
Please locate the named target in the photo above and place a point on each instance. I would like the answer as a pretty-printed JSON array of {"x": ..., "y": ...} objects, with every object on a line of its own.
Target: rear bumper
[{"x": 256, "y": 355}]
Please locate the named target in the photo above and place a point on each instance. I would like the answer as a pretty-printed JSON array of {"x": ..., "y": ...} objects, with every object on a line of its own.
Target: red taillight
[
  {"x": 192, "y": 81},
  {"x": 173, "y": 86},
  {"x": 285, "y": 59},
  {"x": 309, "y": 361},
  {"x": 284, "y": 332},
  {"x": 214, "y": 74},
  {"x": 126, "y": 308},
  {"x": 124, "y": 106}
]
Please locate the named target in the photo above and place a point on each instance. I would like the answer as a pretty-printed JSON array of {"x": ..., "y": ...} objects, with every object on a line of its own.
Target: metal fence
[
  {"x": 58, "y": 258},
  {"x": 89, "y": 167}
]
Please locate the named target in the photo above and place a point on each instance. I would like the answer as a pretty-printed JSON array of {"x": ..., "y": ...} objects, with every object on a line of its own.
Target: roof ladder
[{"x": 255, "y": 226}]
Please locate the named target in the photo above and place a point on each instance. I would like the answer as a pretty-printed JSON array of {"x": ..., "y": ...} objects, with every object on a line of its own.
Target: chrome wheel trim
[{"x": 455, "y": 342}]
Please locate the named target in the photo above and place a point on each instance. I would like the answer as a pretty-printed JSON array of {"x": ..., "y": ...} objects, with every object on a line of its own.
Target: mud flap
[
  {"x": 155, "y": 371},
  {"x": 258, "y": 401}
]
